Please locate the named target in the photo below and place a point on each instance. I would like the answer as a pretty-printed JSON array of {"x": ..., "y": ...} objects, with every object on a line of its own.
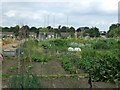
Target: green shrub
[
  {"x": 39, "y": 58},
  {"x": 101, "y": 45},
  {"x": 107, "y": 44},
  {"x": 59, "y": 42},
  {"x": 45, "y": 44},
  {"x": 88, "y": 53}
]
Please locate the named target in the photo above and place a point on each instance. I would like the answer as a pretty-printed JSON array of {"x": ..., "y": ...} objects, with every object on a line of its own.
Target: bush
[
  {"x": 107, "y": 44},
  {"x": 88, "y": 53},
  {"x": 39, "y": 58},
  {"x": 101, "y": 45},
  {"x": 45, "y": 44},
  {"x": 59, "y": 42}
]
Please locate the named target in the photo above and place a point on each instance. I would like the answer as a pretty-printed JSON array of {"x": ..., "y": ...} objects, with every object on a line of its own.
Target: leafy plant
[
  {"x": 67, "y": 64},
  {"x": 104, "y": 67},
  {"x": 15, "y": 68},
  {"x": 25, "y": 81},
  {"x": 40, "y": 58},
  {"x": 28, "y": 68}
]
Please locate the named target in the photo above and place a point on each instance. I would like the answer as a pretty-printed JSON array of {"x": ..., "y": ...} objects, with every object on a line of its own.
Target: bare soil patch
[{"x": 52, "y": 67}]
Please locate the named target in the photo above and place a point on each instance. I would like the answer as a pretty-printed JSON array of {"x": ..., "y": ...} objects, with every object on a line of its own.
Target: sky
[{"x": 76, "y": 13}]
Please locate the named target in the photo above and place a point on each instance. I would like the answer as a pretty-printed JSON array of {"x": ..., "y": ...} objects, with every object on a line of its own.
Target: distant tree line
[{"x": 114, "y": 30}]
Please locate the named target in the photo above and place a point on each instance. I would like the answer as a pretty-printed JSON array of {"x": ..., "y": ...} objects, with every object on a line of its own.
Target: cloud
[
  {"x": 10, "y": 13},
  {"x": 92, "y": 7},
  {"x": 99, "y": 13}
]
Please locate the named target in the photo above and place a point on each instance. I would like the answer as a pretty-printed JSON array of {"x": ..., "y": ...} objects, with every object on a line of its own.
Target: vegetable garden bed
[{"x": 58, "y": 68}]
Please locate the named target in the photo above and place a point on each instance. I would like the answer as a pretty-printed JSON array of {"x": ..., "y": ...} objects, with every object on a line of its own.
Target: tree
[
  {"x": 17, "y": 28},
  {"x": 50, "y": 29},
  {"x": 35, "y": 30},
  {"x": 79, "y": 29},
  {"x": 63, "y": 29},
  {"x": 59, "y": 27},
  {"x": 24, "y": 31},
  {"x": 86, "y": 28},
  {"x": 0, "y": 28},
  {"x": 43, "y": 30},
  {"x": 82, "y": 29},
  {"x": 71, "y": 30},
  {"x": 5, "y": 29},
  {"x": 93, "y": 32},
  {"x": 114, "y": 30},
  {"x": 114, "y": 33},
  {"x": 57, "y": 32}
]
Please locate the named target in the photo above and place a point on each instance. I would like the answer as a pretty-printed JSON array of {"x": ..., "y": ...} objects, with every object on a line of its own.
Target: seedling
[{"x": 28, "y": 68}]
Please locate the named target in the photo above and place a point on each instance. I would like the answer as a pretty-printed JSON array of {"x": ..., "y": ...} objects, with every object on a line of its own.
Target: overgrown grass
[{"x": 34, "y": 52}]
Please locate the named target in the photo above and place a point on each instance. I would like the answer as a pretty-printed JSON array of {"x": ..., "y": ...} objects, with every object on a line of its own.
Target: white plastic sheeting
[
  {"x": 74, "y": 49},
  {"x": 70, "y": 49}
]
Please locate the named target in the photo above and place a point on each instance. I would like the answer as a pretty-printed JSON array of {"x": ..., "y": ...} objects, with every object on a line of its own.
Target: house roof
[
  {"x": 32, "y": 33},
  {"x": 79, "y": 33},
  {"x": 6, "y": 32},
  {"x": 50, "y": 33},
  {"x": 65, "y": 34}
]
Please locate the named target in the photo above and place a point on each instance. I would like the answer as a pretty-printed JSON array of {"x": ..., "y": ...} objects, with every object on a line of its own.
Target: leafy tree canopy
[{"x": 114, "y": 30}]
